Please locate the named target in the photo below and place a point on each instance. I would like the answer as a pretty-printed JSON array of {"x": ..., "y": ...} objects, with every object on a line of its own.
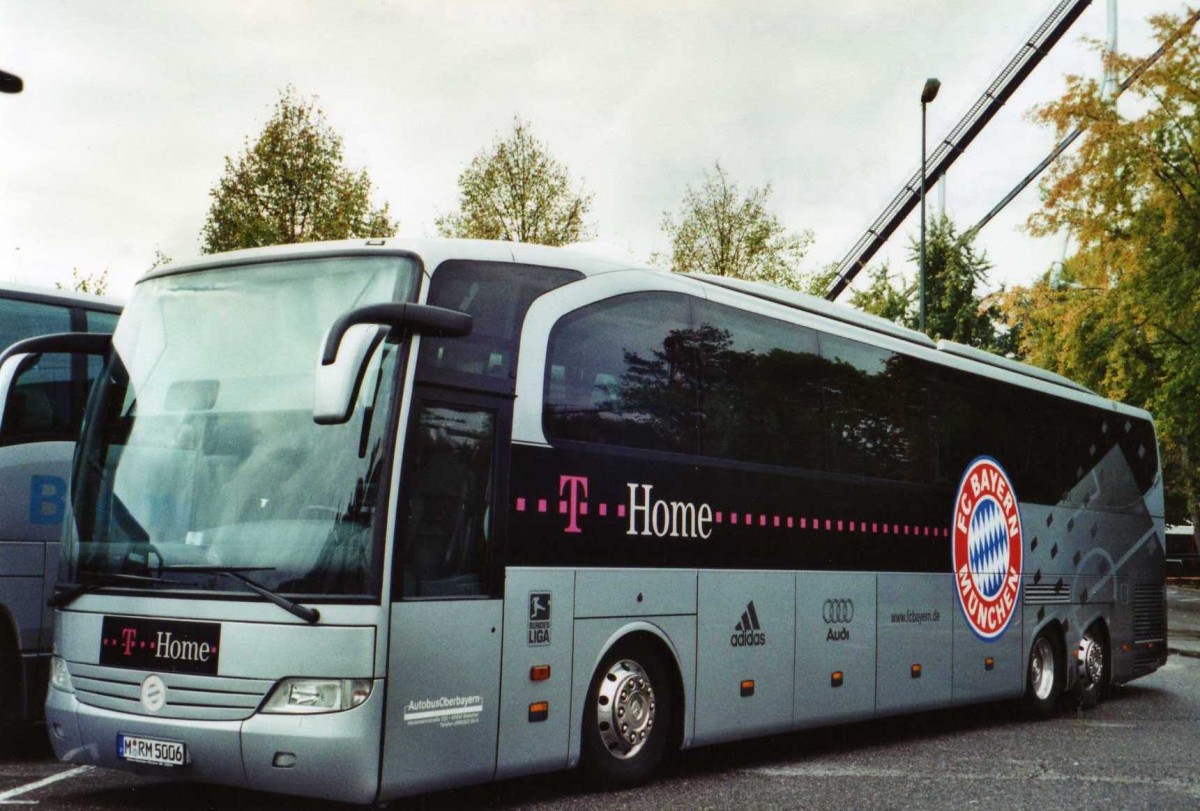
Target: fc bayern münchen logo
[{"x": 987, "y": 547}]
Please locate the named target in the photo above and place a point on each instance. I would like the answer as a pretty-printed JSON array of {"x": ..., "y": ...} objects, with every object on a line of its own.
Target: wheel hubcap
[
  {"x": 625, "y": 708},
  {"x": 1041, "y": 669},
  {"x": 1091, "y": 660}
]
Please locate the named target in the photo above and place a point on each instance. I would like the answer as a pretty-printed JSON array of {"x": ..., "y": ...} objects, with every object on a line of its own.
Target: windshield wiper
[
  {"x": 309, "y": 615},
  {"x": 66, "y": 593}
]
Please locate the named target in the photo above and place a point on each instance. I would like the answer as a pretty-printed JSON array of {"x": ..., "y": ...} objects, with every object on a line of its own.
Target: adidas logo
[{"x": 748, "y": 632}]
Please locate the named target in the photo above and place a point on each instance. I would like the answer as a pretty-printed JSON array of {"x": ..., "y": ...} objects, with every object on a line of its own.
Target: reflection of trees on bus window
[
  {"x": 661, "y": 372},
  {"x": 876, "y": 405},
  {"x": 762, "y": 399},
  {"x": 618, "y": 376},
  {"x": 667, "y": 372}
]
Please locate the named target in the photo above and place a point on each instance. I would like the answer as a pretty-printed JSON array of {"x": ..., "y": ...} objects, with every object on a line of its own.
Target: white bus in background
[
  {"x": 36, "y": 443},
  {"x": 1183, "y": 550},
  {"x": 362, "y": 520}
]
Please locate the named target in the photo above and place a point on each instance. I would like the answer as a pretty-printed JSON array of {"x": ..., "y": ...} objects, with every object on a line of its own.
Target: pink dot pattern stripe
[{"x": 769, "y": 521}]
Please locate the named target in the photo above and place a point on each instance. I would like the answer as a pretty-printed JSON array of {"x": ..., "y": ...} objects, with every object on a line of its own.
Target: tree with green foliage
[
  {"x": 516, "y": 191},
  {"x": 722, "y": 232},
  {"x": 886, "y": 296},
  {"x": 291, "y": 185},
  {"x": 817, "y": 282},
  {"x": 94, "y": 283},
  {"x": 954, "y": 310},
  {"x": 160, "y": 260},
  {"x": 1123, "y": 314}
]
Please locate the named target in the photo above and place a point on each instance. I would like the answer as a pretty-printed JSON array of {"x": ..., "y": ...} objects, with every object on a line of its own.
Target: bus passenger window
[
  {"x": 762, "y": 389},
  {"x": 876, "y": 402},
  {"x": 448, "y": 470},
  {"x": 497, "y": 296},
  {"x": 25, "y": 319},
  {"x": 627, "y": 371}
]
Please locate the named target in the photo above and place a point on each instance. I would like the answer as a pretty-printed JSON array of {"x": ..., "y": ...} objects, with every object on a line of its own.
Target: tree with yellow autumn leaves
[{"x": 1122, "y": 315}]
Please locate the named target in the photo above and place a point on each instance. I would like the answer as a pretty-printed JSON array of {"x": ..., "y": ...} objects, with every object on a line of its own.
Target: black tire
[
  {"x": 1094, "y": 655},
  {"x": 1045, "y": 674},
  {"x": 634, "y": 680},
  {"x": 9, "y": 697}
]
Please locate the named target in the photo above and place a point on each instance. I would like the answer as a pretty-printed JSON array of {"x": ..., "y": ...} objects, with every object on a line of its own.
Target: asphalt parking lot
[{"x": 1136, "y": 750}]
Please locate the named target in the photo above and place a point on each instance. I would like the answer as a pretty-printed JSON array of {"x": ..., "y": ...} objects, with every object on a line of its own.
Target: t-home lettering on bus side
[{"x": 666, "y": 519}]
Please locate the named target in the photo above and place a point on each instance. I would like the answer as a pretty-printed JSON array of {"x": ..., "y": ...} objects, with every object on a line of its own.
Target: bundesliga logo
[{"x": 987, "y": 548}]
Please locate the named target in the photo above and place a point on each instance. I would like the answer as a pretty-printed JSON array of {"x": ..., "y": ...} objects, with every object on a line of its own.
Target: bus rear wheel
[
  {"x": 1094, "y": 667},
  {"x": 628, "y": 714},
  {"x": 1045, "y": 676}
]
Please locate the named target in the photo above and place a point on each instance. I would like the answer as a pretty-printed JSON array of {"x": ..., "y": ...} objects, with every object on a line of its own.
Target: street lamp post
[{"x": 928, "y": 94}]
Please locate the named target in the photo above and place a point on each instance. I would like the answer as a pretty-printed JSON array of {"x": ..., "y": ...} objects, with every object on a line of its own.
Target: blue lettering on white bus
[{"x": 47, "y": 499}]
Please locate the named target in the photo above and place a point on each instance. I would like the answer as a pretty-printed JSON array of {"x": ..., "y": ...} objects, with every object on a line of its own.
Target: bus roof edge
[
  {"x": 817, "y": 306},
  {"x": 1001, "y": 362}
]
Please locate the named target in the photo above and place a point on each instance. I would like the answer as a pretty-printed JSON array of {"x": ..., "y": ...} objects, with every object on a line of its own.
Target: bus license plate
[{"x": 149, "y": 750}]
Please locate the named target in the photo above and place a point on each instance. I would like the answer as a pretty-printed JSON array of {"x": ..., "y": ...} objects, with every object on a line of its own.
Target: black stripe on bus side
[{"x": 580, "y": 508}]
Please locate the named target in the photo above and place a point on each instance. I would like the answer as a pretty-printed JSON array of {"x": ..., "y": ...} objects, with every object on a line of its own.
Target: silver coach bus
[
  {"x": 368, "y": 519},
  {"x": 38, "y": 437}
]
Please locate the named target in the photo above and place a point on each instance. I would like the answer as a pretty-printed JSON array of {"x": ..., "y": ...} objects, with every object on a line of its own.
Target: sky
[{"x": 130, "y": 110}]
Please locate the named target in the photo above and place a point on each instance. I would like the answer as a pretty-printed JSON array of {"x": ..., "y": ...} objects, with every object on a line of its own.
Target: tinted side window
[
  {"x": 1036, "y": 436},
  {"x": 663, "y": 371},
  {"x": 626, "y": 371},
  {"x": 497, "y": 296},
  {"x": 25, "y": 319},
  {"x": 762, "y": 389},
  {"x": 40, "y": 406},
  {"x": 99, "y": 321},
  {"x": 449, "y": 494},
  {"x": 1020, "y": 428},
  {"x": 958, "y": 431},
  {"x": 878, "y": 420}
]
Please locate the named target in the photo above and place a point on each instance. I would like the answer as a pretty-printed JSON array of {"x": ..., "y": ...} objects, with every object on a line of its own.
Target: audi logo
[{"x": 835, "y": 612}]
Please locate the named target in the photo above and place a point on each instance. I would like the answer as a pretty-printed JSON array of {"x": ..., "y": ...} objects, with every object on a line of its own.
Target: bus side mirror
[
  {"x": 352, "y": 338},
  {"x": 11, "y": 368},
  {"x": 21, "y": 356},
  {"x": 336, "y": 385}
]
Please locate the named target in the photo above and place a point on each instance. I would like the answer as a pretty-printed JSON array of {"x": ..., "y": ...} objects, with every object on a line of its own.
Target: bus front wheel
[
  {"x": 1046, "y": 674},
  {"x": 627, "y": 718}
]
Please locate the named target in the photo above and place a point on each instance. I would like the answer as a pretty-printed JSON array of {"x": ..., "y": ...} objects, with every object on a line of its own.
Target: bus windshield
[{"x": 200, "y": 450}]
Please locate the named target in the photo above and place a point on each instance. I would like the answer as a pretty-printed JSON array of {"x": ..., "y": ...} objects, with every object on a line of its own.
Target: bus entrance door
[
  {"x": 445, "y": 640},
  {"x": 443, "y": 695}
]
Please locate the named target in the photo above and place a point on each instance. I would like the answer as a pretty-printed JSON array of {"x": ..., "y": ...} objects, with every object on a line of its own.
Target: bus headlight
[
  {"x": 60, "y": 677},
  {"x": 311, "y": 696}
]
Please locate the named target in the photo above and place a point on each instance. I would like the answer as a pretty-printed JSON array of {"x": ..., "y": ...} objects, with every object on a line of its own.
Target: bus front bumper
[{"x": 331, "y": 756}]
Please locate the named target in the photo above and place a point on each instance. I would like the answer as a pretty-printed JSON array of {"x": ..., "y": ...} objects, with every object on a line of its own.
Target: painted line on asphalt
[
  {"x": 830, "y": 771},
  {"x": 6, "y": 797},
  {"x": 1037, "y": 772}
]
